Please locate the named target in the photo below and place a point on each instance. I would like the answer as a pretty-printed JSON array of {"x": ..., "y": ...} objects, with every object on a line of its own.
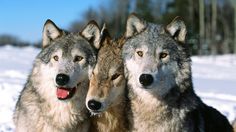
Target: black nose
[
  {"x": 146, "y": 79},
  {"x": 62, "y": 79},
  {"x": 94, "y": 105}
]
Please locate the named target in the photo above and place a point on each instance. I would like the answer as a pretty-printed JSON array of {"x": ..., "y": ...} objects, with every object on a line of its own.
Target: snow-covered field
[{"x": 214, "y": 80}]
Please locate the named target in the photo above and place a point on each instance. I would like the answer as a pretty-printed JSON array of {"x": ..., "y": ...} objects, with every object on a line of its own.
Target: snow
[
  {"x": 15, "y": 65},
  {"x": 214, "y": 79}
]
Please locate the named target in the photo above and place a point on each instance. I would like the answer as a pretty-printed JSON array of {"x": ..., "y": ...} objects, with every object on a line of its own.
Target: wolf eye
[
  {"x": 55, "y": 58},
  {"x": 140, "y": 53},
  {"x": 163, "y": 55},
  {"x": 115, "y": 76},
  {"x": 78, "y": 58}
]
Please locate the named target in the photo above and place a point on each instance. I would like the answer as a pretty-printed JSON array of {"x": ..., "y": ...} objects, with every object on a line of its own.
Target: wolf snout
[
  {"x": 62, "y": 79},
  {"x": 94, "y": 105},
  {"x": 146, "y": 79}
]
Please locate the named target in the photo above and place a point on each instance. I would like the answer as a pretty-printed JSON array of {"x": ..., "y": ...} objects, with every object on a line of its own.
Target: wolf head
[
  {"x": 156, "y": 57},
  {"x": 107, "y": 81},
  {"x": 62, "y": 65}
]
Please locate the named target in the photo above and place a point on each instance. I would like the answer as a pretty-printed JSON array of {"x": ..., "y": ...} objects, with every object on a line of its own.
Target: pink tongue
[{"x": 62, "y": 93}]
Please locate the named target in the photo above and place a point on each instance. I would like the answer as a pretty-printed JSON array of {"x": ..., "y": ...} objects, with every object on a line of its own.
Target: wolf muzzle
[{"x": 63, "y": 92}]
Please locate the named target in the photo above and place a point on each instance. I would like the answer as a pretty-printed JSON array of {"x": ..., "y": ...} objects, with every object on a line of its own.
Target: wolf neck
[
  {"x": 161, "y": 111},
  {"x": 114, "y": 119}
]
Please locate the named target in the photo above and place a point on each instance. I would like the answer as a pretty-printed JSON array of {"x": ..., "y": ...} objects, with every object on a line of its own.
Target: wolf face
[
  {"x": 107, "y": 81},
  {"x": 65, "y": 59},
  {"x": 155, "y": 57}
]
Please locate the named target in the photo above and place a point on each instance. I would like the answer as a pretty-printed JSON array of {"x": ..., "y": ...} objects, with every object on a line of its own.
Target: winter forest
[{"x": 210, "y": 23}]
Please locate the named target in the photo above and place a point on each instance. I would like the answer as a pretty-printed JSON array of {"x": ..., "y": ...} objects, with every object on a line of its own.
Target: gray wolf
[
  {"x": 106, "y": 95},
  {"x": 158, "y": 69},
  {"x": 53, "y": 98}
]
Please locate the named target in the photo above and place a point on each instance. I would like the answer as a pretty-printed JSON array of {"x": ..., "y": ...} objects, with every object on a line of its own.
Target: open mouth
[{"x": 64, "y": 93}]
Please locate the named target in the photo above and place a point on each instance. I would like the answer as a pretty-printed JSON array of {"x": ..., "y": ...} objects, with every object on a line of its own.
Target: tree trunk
[
  {"x": 226, "y": 42},
  {"x": 213, "y": 27},
  {"x": 201, "y": 26}
]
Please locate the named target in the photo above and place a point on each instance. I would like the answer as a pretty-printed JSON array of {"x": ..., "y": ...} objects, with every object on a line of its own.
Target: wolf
[
  {"x": 158, "y": 68},
  {"x": 106, "y": 95},
  {"x": 53, "y": 98}
]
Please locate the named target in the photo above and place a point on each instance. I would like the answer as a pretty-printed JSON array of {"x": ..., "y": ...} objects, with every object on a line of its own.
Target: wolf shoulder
[{"x": 208, "y": 119}]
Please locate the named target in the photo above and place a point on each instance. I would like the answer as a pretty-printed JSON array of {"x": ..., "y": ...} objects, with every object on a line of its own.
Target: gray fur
[
  {"x": 169, "y": 104},
  {"x": 38, "y": 109}
]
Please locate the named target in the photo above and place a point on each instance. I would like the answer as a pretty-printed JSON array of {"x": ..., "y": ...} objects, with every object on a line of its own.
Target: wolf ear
[
  {"x": 177, "y": 29},
  {"x": 104, "y": 33},
  {"x": 50, "y": 32},
  {"x": 92, "y": 33},
  {"x": 134, "y": 25}
]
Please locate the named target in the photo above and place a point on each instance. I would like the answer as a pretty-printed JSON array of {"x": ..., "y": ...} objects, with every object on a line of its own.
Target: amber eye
[
  {"x": 115, "y": 76},
  {"x": 163, "y": 55},
  {"x": 140, "y": 53},
  {"x": 78, "y": 58},
  {"x": 55, "y": 58}
]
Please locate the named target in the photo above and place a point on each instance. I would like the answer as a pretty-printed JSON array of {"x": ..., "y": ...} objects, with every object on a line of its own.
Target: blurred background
[
  {"x": 210, "y": 23},
  {"x": 211, "y": 26}
]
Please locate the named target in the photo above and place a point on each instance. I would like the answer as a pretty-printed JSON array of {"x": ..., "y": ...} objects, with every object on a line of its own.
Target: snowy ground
[{"x": 214, "y": 80}]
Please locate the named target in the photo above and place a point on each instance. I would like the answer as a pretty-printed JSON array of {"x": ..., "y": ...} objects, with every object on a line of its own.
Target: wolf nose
[
  {"x": 94, "y": 105},
  {"x": 62, "y": 79},
  {"x": 146, "y": 79}
]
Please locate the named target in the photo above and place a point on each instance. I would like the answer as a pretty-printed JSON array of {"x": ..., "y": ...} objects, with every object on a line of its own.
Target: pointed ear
[
  {"x": 50, "y": 32},
  {"x": 134, "y": 25},
  {"x": 177, "y": 29},
  {"x": 104, "y": 34},
  {"x": 92, "y": 33},
  {"x": 104, "y": 31}
]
